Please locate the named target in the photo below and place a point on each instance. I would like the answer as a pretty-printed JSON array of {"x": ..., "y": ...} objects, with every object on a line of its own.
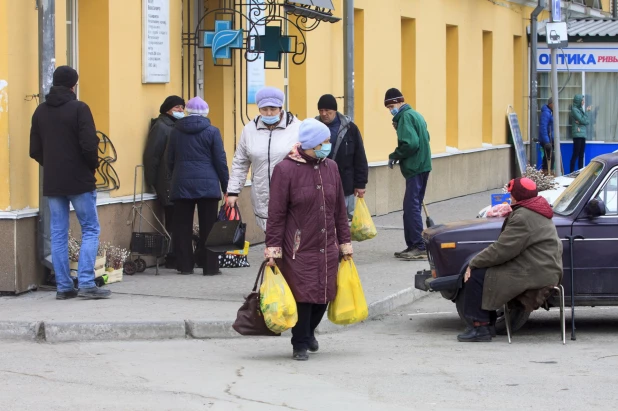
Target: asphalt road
[{"x": 408, "y": 360}]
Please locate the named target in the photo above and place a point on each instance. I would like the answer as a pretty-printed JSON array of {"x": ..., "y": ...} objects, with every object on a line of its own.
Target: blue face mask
[
  {"x": 394, "y": 111},
  {"x": 178, "y": 114},
  {"x": 324, "y": 151},
  {"x": 270, "y": 120}
]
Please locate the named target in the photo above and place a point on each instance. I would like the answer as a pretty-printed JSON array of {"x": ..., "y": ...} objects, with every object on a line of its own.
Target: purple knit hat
[
  {"x": 197, "y": 106},
  {"x": 269, "y": 97}
]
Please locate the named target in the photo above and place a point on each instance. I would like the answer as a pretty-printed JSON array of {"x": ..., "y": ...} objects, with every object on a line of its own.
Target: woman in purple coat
[{"x": 307, "y": 230}]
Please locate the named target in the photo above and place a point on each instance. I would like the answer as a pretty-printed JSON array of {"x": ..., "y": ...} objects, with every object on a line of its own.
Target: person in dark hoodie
[
  {"x": 526, "y": 256},
  {"x": 348, "y": 150},
  {"x": 546, "y": 135},
  {"x": 155, "y": 167},
  {"x": 64, "y": 142},
  {"x": 197, "y": 161}
]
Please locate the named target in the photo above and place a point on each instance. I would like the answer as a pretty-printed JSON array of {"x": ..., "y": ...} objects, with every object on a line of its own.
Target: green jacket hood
[
  {"x": 402, "y": 110},
  {"x": 577, "y": 100}
]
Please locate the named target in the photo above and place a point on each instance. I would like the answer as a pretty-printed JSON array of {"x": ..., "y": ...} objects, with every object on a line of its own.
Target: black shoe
[
  {"x": 93, "y": 293},
  {"x": 300, "y": 355},
  {"x": 217, "y": 273},
  {"x": 400, "y": 253},
  {"x": 475, "y": 334},
  {"x": 66, "y": 295},
  {"x": 313, "y": 345},
  {"x": 491, "y": 328},
  {"x": 185, "y": 272}
]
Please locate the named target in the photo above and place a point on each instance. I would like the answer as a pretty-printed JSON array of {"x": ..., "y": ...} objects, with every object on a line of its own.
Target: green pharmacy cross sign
[
  {"x": 272, "y": 44},
  {"x": 222, "y": 40}
]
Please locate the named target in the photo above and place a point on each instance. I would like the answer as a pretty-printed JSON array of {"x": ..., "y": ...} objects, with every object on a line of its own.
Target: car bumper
[{"x": 422, "y": 279}]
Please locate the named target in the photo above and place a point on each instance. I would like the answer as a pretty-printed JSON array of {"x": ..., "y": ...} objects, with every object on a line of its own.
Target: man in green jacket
[
  {"x": 579, "y": 131},
  {"x": 413, "y": 154}
]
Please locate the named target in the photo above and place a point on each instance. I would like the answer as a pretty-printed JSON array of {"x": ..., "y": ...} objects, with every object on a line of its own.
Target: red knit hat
[{"x": 522, "y": 189}]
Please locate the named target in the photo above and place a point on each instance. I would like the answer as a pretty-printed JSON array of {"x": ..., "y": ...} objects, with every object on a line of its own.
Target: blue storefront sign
[{"x": 497, "y": 199}]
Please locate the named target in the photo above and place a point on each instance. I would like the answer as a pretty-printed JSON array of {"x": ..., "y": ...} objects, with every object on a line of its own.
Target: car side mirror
[{"x": 595, "y": 208}]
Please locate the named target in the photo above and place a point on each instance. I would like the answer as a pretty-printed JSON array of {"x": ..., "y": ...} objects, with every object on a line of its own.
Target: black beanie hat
[
  {"x": 170, "y": 103},
  {"x": 65, "y": 76},
  {"x": 327, "y": 102},
  {"x": 393, "y": 96}
]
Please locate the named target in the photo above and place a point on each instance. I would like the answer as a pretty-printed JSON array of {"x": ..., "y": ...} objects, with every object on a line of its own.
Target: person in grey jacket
[
  {"x": 156, "y": 173},
  {"x": 264, "y": 143}
]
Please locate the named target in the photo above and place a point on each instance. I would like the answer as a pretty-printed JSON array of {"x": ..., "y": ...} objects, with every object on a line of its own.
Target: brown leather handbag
[{"x": 249, "y": 320}]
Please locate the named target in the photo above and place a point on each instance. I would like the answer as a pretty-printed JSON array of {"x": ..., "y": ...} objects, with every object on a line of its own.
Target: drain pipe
[
  {"x": 615, "y": 8},
  {"x": 534, "y": 128},
  {"x": 348, "y": 60},
  {"x": 47, "y": 64}
]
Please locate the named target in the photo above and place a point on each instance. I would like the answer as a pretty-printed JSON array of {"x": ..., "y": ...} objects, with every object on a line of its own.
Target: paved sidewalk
[{"x": 145, "y": 306}]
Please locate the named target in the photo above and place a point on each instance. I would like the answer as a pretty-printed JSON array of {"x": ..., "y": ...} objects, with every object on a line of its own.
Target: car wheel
[{"x": 519, "y": 317}]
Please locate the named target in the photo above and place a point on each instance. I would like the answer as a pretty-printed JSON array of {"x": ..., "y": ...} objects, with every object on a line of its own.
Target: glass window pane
[
  {"x": 571, "y": 85},
  {"x": 602, "y": 95},
  {"x": 609, "y": 195}
]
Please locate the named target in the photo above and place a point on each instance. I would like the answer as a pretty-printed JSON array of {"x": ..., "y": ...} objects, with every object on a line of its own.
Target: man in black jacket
[
  {"x": 155, "y": 170},
  {"x": 347, "y": 150},
  {"x": 63, "y": 140}
]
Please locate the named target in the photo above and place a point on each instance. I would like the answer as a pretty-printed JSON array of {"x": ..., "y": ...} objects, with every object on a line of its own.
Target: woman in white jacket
[{"x": 264, "y": 143}]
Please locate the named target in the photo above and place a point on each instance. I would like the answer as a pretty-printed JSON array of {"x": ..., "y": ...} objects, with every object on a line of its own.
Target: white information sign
[
  {"x": 576, "y": 58},
  {"x": 256, "y": 74},
  {"x": 155, "y": 41}
]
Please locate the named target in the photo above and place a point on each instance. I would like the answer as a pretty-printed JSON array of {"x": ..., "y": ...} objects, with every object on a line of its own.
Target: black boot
[
  {"x": 313, "y": 345},
  {"x": 300, "y": 355},
  {"x": 490, "y": 327},
  {"x": 478, "y": 333}
]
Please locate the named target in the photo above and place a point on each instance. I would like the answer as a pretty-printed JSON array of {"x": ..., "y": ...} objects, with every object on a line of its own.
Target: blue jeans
[
  {"x": 412, "y": 206},
  {"x": 85, "y": 206}
]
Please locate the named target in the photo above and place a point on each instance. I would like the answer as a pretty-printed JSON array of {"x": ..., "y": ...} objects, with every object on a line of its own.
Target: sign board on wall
[
  {"x": 256, "y": 74},
  {"x": 518, "y": 142},
  {"x": 155, "y": 41},
  {"x": 603, "y": 58}
]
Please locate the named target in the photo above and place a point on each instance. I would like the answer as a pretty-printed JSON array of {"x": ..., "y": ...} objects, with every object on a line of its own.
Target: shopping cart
[{"x": 156, "y": 244}]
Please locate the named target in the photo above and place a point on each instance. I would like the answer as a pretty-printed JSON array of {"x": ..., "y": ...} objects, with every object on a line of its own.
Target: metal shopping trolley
[{"x": 156, "y": 243}]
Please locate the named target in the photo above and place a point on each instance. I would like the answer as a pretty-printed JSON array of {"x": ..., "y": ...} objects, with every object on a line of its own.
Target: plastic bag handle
[
  {"x": 260, "y": 276},
  {"x": 228, "y": 212}
]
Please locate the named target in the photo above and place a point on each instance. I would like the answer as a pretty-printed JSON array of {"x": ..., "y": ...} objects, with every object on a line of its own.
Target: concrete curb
[
  {"x": 116, "y": 331},
  {"x": 58, "y": 332},
  {"x": 19, "y": 330}
]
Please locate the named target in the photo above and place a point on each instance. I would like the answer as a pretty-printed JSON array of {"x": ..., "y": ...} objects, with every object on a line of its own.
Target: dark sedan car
[{"x": 451, "y": 246}]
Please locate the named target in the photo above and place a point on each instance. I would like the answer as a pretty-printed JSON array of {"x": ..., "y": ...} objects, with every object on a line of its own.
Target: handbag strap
[{"x": 260, "y": 276}]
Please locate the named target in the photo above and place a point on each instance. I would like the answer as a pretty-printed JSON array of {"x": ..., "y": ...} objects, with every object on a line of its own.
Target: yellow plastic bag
[
  {"x": 277, "y": 302},
  {"x": 363, "y": 227},
  {"x": 349, "y": 306}
]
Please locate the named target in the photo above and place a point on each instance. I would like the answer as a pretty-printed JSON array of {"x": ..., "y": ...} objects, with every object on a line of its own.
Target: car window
[
  {"x": 570, "y": 198},
  {"x": 609, "y": 195}
]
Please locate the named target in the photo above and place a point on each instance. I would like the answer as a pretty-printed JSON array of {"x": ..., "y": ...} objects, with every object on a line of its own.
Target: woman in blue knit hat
[{"x": 307, "y": 229}]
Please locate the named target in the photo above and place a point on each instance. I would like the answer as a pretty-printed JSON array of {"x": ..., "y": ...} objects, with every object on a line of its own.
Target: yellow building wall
[
  {"x": 400, "y": 43},
  {"x": 5, "y": 197}
]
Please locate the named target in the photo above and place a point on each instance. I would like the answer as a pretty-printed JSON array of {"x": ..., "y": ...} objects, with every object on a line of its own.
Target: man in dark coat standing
[
  {"x": 63, "y": 140},
  {"x": 155, "y": 168},
  {"x": 546, "y": 135},
  {"x": 348, "y": 150}
]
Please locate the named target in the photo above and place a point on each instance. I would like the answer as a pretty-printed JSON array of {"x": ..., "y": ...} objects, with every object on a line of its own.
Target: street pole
[
  {"x": 47, "y": 64},
  {"x": 557, "y": 154},
  {"x": 348, "y": 63},
  {"x": 534, "y": 37}
]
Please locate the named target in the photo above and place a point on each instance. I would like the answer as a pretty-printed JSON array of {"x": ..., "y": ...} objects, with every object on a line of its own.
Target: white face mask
[{"x": 178, "y": 114}]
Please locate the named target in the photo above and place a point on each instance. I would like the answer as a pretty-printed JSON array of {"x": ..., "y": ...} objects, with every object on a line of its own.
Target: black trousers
[
  {"x": 579, "y": 145},
  {"x": 473, "y": 298},
  {"x": 549, "y": 153},
  {"x": 168, "y": 212},
  {"x": 309, "y": 317},
  {"x": 183, "y": 233}
]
